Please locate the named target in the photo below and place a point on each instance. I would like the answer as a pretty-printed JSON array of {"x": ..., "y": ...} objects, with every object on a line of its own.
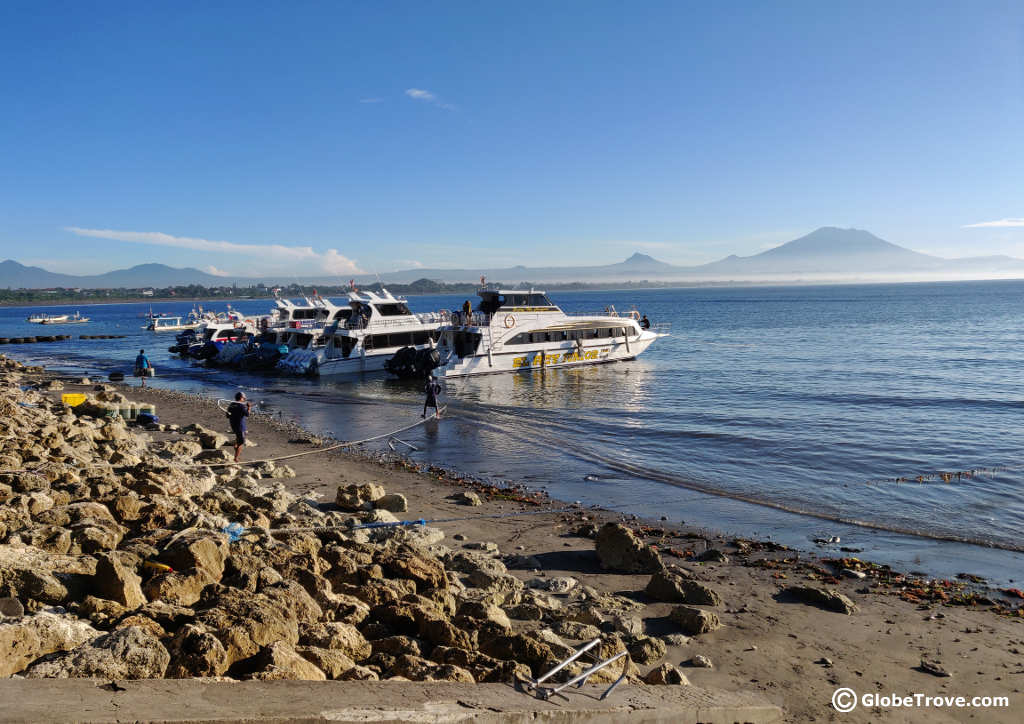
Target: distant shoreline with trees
[{"x": 198, "y": 293}]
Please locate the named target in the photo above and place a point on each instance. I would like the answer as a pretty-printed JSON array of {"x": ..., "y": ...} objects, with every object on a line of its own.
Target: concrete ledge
[{"x": 165, "y": 700}]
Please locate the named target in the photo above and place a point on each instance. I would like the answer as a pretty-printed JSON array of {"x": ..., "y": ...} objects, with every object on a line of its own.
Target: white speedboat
[
  {"x": 377, "y": 326},
  {"x": 522, "y": 330},
  {"x": 42, "y": 318}
]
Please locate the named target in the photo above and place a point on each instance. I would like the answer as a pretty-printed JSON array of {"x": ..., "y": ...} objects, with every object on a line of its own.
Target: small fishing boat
[
  {"x": 76, "y": 318},
  {"x": 42, "y": 318}
]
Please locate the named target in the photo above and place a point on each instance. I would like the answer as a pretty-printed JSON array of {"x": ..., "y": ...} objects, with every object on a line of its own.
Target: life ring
[
  {"x": 510, "y": 321},
  {"x": 635, "y": 315}
]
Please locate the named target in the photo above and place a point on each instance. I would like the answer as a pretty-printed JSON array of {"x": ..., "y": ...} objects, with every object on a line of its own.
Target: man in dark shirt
[
  {"x": 432, "y": 388},
  {"x": 237, "y": 412},
  {"x": 645, "y": 322}
]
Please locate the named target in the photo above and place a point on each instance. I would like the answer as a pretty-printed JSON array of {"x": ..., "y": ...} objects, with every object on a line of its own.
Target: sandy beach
[{"x": 774, "y": 638}]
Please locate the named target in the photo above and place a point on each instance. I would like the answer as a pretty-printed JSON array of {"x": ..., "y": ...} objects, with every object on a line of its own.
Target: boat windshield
[
  {"x": 524, "y": 301},
  {"x": 393, "y": 310}
]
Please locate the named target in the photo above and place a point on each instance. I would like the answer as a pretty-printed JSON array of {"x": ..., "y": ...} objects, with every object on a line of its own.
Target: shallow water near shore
[{"x": 785, "y": 412}]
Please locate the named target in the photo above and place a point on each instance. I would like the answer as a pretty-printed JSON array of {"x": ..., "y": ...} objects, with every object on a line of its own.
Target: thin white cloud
[
  {"x": 1000, "y": 224},
  {"x": 424, "y": 95},
  {"x": 330, "y": 261},
  {"x": 215, "y": 271}
]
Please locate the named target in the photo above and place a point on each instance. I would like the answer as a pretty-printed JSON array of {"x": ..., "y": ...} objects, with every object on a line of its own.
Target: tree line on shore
[{"x": 263, "y": 291}]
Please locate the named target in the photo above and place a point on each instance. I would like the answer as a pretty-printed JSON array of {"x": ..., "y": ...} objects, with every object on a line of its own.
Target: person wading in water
[
  {"x": 237, "y": 412},
  {"x": 432, "y": 388},
  {"x": 142, "y": 366}
]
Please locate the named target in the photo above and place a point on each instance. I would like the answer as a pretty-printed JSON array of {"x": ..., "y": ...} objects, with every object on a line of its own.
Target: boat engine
[{"x": 410, "y": 362}]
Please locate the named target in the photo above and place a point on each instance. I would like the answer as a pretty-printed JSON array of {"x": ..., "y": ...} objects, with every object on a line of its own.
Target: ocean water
[{"x": 782, "y": 412}]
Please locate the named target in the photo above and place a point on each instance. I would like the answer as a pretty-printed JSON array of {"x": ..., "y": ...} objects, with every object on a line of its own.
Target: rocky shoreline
[{"x": 131, "y": 552}]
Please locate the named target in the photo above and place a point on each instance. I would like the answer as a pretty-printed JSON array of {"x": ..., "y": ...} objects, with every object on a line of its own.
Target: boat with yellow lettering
[{"x": 513, "y": 330}]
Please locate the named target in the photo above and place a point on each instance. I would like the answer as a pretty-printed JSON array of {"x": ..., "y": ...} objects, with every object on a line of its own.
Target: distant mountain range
[{"x": 827, "y": 254}]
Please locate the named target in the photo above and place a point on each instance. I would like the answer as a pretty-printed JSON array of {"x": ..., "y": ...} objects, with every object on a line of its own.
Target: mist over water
[{"x": 782, "y": 411}]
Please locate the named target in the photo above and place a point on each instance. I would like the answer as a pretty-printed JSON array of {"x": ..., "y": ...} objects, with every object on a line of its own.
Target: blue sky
[{"x": 261, "y": 137}]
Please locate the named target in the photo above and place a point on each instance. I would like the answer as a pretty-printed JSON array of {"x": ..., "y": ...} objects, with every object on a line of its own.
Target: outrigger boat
[
  {"x": 42, "y": 318},
  {"x": 514, "y": 330},
  {"x": 158, "y": 323},
  {"x": 375, "y": 327},
  {"x": 76, "y": 318}
]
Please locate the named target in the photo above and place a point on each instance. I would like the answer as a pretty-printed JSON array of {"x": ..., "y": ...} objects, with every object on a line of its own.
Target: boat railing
[{"x": 358, "y": 323}]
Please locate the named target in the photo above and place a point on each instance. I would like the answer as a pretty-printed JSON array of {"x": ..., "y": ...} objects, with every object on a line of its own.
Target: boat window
[
  {"x": 539, "y": 337},
  {"x": 343, "y": 314},
  {"x": 393, "y": 310},
  {"x": 347, "y": 343},
  {"x": 304, "y": 314},
  {"x": 539, "y": 300}
]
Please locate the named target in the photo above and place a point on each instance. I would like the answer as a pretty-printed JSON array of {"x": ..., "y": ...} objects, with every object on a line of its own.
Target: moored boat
[
  {"x": 376, "y": 327},
  {"x": 513, "y": 330}
]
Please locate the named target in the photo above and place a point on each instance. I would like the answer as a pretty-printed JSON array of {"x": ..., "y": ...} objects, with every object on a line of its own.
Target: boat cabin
[
  {"x": 493, "y": 301},
  {"x": 369, "y": 308}
]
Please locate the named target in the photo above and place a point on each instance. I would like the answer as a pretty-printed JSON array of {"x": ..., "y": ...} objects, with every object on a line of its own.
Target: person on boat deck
[
  {"x": 645, "y": 323},
  {"x": 142, "y": 366},
  {"x": 432, "y": 388},
  {"x": 467, "y": 312},
  {"x": 237, "y": 412}
]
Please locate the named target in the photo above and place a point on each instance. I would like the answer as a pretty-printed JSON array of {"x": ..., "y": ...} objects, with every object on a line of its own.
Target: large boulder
[
  {"x": 694, "y": 621},
  {"x": 196, "y": 652},
  {"x": 671, "y": 586},
  {"x": 619, "y": 550},
  {"x": 358, "y": 497},
  {"x": 337, "y": 636},
  {"x": 335, "y": 664},
  {"x": 822, "y": 598},
  {"x": 114, "y": 581},
  {"x": 276, "y": 662},
  {"x": 245, "y": 622},
  {"x": 126, "y": 653},
  {"x": 666, "y": 674}
]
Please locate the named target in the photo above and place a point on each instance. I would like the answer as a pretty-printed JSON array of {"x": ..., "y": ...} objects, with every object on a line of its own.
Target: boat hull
[{"x": 546, "y": 356}]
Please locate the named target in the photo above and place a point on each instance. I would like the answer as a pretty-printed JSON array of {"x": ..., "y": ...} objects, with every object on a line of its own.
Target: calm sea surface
[{"x": 786, "y": 412}]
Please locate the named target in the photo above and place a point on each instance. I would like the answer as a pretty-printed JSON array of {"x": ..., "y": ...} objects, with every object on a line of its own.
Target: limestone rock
[
  {"x": 646, "y": 650},
  {"x": 393, "y": 502},
  {"x": 195, "y": 652},
  {"x": 358, "y": 497},
  {"x": 670, "y": 586},
  {"x": 666, "y": 674},
  {"x": 127, "y": 653},
  {"x": 828, "y": 599},
  {"x": 618, "y": 549},
  {"x": 337, "y": 636},
  {"x": 467, "y": 497},
  {"x": 334, "y": 663},
  {"x": 279, "y": 661},
  {"x": 116, "y": 582},
  {"x": 695, "y": 621}
]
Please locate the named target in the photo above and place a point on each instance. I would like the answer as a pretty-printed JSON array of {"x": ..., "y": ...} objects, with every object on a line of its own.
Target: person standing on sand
[
  {"x": 237, "y": 412},
  {"x": 432, "y": 388},
  {"x": 142, "y": 366}
]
